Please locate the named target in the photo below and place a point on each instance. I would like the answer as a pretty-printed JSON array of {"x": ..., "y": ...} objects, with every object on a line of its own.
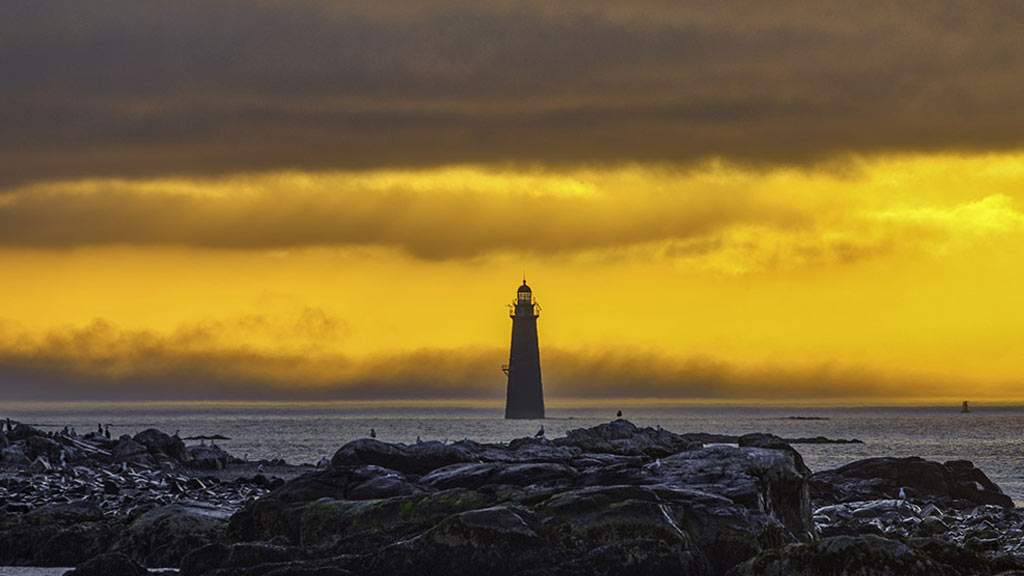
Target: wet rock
[
  {"x": 239, "y": 558},
  {"x": 65, "y": 514},
  {"x": 164, "y": 535},
  {"x": 861, "y": 556},
  {"x": 765, "y": 481},
  {"x": 76, "y": 544},
  {"x": 113, "y": 564}
]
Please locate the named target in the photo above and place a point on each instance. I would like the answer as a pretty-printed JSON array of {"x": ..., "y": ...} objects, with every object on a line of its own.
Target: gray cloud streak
[
  {"x": 446, "y": 224},
  {"x": 134, "y": 88}
]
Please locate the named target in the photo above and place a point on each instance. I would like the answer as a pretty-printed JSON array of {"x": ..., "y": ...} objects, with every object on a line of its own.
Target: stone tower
[{"x": 525, "y": 395}]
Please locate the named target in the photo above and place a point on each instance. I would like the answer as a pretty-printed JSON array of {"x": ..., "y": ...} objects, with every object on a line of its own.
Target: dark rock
[
  {"x": 128, "y": 450},
  {"x": 159, "y": 443},
  {"x": 371, "y": 482},
  {"x": 237, "y": 558},
  {"x": 772, "y": 442},
  {"x": 113, "y": 564},
  {"x": 14, "y": 455},
  {"x": 65, "y": 514},
  {"x": 612, "y": 499},
  {"x": 765, "y": 481},
  {"x": 883, "y": 478},
  {"x": 860, "y": 556},
  {"x": 42, "y": 446},
  {"x": 208, "y": 457},
  {"x": 163, "y": 536},
  {"x": 111, "y": 487},
  {"x": 624, "y": 438},
  {"x": 24, "y": 432},
  {"x": 75, "y": 544},
  {"x": 413, "y": 459},
  {"x": 971, "y": 484}
]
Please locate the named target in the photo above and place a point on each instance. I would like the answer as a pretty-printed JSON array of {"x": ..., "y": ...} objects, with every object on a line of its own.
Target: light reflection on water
[{"x": 303, "y": 433}]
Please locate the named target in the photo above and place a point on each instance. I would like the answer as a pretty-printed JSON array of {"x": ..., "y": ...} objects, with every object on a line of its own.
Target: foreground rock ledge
[{"x": 613, "y": 499}]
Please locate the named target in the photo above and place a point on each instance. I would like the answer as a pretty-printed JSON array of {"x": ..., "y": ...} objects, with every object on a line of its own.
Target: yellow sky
[{"x": 883, "y": 277}]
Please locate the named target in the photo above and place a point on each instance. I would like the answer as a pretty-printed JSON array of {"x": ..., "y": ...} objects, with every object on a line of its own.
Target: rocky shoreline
[{"x": 613, "y": 499}]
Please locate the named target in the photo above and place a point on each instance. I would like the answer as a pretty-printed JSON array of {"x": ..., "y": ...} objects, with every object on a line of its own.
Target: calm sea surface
[{"x": 992, "y": 437}]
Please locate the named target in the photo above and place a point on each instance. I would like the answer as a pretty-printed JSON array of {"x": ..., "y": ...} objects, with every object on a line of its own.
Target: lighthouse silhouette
[{"x": 525, "y": 395}]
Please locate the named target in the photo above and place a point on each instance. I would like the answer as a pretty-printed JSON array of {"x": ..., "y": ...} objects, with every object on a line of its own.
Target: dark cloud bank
[
  {"x": 121, "y": 87},
  {"x": 420, "y": 224},
  {"x": 99, "y": 362}
]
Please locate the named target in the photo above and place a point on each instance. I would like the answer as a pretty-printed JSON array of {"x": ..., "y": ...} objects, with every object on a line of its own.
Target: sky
[{"x": 763, "y": 201}]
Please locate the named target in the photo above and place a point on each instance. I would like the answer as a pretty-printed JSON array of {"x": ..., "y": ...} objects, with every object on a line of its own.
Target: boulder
[
  {"x": 53, "y": 535},
  {"x": 208, "y": 457},
  {"x": 769, "y": 481},
  {"x": 42, "y": 446},
  {"x": 161, "y": 537},
  {"x": 622, "y": 437},
  {"x": 113, "y": 564},
  {"x": 14, "y": 455},
  {"x": 159, "y": 443},
  {"x": 24, "y": 432},
  {"x": 865, "y": 556},
  {"x": 237, "y": 558},
  {"x": 916, "y": 478},
  {"x": 408, "y": 459},
  {"x": 76, "y": 544},
  {"x": 128, "y": 450}
]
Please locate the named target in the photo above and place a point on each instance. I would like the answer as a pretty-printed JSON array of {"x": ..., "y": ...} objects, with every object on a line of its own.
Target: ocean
[{"x": 990, "y": 436}]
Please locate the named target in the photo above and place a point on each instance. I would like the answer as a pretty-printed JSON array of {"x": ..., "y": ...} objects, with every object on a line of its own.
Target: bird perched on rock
[
  {"x": 373, "y": 433},
  {"x": 539, "y": 433},
  {"x": 618, "y": 414}
]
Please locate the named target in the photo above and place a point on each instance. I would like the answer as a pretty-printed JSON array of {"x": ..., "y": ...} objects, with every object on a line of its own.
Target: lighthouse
[{"x": 525, "y": 395}]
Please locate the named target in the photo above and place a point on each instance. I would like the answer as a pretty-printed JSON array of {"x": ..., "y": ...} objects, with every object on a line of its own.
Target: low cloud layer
[
  {"x": 101, "y": 362},
  {"x": 126, "y": 88}
]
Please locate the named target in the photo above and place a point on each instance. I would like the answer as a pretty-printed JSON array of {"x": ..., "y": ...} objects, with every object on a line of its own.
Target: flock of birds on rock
[{"x": 123, "y": 488}]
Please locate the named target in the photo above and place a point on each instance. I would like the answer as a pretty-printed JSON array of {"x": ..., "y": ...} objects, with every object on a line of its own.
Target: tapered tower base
[{"x": 524, "y": 398}]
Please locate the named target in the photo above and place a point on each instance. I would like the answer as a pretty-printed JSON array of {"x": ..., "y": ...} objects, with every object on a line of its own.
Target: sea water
[{"x": 991, "y": 437}]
